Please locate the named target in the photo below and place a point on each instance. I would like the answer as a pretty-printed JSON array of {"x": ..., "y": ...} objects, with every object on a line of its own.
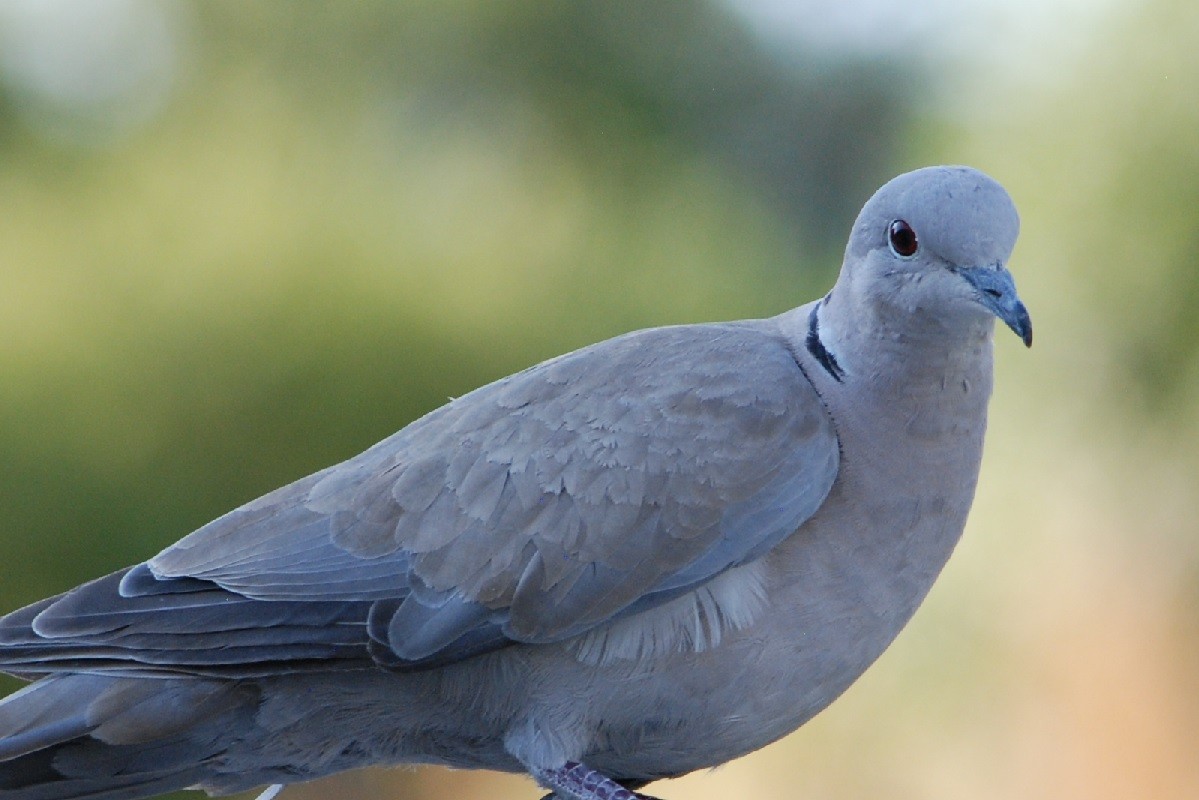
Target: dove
[{"x": 636, "y": 560}]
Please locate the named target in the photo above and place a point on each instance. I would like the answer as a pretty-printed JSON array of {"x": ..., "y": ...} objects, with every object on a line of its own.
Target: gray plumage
[{"x": 639, "y": 559}]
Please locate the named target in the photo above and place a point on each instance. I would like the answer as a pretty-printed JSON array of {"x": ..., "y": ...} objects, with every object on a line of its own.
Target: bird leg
[{"x": 575, "y": 781}]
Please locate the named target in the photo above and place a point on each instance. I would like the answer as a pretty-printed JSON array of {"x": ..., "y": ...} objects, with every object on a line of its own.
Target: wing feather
[{"x": 590, "y": 487}]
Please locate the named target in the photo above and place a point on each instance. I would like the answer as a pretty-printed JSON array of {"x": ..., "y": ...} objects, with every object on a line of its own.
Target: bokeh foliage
[{"x": 341, "y": 219}]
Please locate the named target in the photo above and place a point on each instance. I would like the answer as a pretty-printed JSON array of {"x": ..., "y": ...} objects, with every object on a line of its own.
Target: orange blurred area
[{"x": 239, "y": 242}]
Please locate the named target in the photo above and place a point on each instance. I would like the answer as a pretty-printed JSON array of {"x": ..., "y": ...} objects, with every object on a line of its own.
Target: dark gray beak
[{"x": 997, "y": 293}]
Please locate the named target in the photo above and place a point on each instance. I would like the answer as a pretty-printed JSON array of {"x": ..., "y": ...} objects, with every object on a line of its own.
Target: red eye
[{"x": 903, "y": 239}]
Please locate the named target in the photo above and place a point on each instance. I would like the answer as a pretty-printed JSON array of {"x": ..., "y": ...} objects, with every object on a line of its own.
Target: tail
[{"x": 104, "y": 737}]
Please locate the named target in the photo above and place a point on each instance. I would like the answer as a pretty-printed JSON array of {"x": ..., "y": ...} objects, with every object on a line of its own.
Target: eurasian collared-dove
[{"x": 645, "y": 557}]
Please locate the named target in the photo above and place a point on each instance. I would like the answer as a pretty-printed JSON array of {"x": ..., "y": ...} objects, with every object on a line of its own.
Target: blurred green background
[{"x": 240, "y": 241}]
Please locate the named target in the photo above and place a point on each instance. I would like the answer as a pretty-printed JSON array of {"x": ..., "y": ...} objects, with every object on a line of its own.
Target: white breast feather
[{"x": 693, "y": 622}]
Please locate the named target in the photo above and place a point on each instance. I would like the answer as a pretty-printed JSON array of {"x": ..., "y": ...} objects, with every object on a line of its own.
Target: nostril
[{"x": 993, "y": 293}]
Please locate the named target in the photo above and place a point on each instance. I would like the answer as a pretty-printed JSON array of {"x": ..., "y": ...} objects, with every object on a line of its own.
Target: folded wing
[{"x": 584, "y": 489}]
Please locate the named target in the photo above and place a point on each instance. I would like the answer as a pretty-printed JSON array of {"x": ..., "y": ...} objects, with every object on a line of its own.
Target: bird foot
[{"x": 575, "y": 781}]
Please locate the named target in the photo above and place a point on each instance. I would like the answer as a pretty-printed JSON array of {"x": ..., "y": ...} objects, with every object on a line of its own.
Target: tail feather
[
  {"x": 39, "y": 716},
  {"x": 101, "y": 737},
  {"x": 131, "y": 787}
]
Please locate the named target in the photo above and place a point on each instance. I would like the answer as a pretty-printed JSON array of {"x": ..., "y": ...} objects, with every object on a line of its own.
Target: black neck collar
[{"x": 818, "y": 350}]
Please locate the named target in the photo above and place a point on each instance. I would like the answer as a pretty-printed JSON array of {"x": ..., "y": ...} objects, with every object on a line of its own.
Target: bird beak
[{"x": 997, "y": 293}]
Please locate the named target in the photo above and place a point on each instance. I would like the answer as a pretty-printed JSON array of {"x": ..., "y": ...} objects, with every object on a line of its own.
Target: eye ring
[{"x": 902, "y": 239}]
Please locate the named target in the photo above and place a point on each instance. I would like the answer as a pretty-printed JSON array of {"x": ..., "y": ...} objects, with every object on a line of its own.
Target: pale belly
[
  {"x": 701, "y": 709},
  {"x": 648, "y": 711}
]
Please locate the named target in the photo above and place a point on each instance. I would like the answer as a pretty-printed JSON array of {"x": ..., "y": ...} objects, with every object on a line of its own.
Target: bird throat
[{"x": 816, "y": 346}]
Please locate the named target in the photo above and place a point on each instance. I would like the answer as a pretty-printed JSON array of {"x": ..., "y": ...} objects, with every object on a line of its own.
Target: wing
[{"x": 592, "y": 486}]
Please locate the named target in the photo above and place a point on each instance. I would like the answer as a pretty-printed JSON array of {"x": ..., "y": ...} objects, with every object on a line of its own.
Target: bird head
[{"x": 929, "y": 251}]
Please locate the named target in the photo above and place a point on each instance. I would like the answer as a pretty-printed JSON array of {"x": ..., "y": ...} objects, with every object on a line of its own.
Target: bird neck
[
  {"x": 914, "y": 351},
  {"x": 927, "y": 396}
]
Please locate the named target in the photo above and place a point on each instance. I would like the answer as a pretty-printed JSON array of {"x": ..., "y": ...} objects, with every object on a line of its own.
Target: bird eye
[{"x": 902, "y": 239}]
